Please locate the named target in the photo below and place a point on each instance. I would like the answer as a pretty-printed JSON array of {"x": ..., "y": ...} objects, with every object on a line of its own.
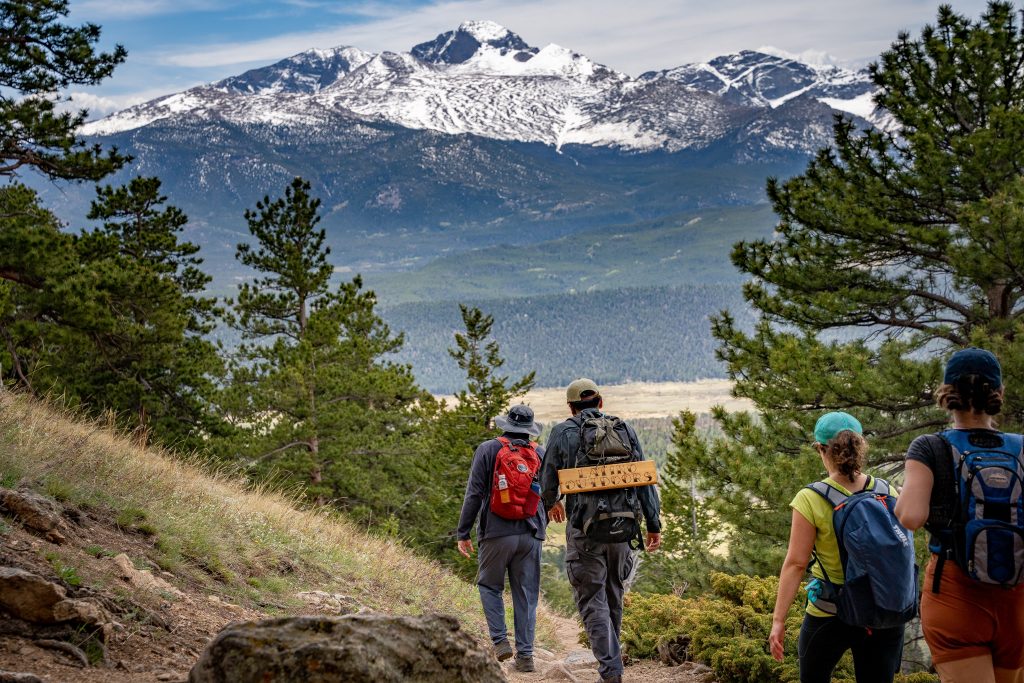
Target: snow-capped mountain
[
  {"x": 484, "y": 80},
  {"x": 474, "y": 138},
  {"x": 760, "y": 79}
]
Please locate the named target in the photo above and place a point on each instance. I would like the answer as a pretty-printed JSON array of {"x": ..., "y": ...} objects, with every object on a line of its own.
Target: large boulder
[
  {"x": 357, "y": 647},
  {"x": 27, "y": 596}
]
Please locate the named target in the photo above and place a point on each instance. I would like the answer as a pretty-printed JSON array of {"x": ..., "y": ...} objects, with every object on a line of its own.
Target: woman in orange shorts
[{"x": 973, "y": 626}]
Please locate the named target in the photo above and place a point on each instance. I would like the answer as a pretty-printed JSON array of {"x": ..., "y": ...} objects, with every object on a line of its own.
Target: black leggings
[{"x": 823, "y": 640}]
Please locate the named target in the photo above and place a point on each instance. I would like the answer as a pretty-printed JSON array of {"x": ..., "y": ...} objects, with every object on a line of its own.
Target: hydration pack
[
  {"x": 604, "y": 439},
  {"x": 985, "y": 534},
  {"x": 515, "y": 493},
  {"x": 611, "y": 515},
  {"x": 877, "y": 555}
]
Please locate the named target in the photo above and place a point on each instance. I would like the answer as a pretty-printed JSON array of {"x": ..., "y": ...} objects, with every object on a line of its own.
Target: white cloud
[
  {"x": 632, "y": 37},
  {"x": 101, "y": 105},
  {"x": 125, "y": 9}
]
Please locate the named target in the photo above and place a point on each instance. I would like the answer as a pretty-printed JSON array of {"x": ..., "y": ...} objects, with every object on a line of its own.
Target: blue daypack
[
  {"x": 877, "y": 554},
  {"x": 985, "y": 535}
]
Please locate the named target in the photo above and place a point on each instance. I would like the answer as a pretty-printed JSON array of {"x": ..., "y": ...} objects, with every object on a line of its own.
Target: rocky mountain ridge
[{"x": 484, "y": 80}]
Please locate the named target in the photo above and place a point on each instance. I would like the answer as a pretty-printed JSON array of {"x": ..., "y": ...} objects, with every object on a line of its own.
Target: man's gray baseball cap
[{"x": 579, "y": 387}]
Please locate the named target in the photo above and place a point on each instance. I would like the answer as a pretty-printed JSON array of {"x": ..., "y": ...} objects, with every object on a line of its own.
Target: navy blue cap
[{"x": 974, "y": 361}]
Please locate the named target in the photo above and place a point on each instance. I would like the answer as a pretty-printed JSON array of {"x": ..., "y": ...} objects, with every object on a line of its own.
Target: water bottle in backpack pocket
[
  {"x": 877, "y": 555},
  {"x": 986, "y": 537}
]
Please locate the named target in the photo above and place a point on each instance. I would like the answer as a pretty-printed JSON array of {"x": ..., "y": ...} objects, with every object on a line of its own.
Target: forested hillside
[
  {"x": 621, "y": 335},
  {"x": 690, "y": 248}
]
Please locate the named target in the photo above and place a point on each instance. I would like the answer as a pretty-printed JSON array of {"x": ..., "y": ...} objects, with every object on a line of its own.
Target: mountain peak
[{"x": 460, "y": 45}]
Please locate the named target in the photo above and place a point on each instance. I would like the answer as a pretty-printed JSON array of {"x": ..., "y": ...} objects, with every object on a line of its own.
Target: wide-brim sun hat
[{"x": 519, "y": 420}]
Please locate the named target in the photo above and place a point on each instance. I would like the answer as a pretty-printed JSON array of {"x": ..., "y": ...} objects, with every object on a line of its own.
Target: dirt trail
[{"x": 571, "y": 662}]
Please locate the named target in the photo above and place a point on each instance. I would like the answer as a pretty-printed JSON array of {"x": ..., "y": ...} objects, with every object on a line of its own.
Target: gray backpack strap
[
  {"x": 882, "y": 487},
  {"x": 834, "y": 496}
]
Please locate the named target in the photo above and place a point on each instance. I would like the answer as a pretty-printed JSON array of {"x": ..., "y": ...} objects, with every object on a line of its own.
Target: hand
[
  {"x": 556, "y": 513},
  {"x": 775, "y": 639},
  {"x": 653, "y": 541},
  {"x": 466, "y": 547}
]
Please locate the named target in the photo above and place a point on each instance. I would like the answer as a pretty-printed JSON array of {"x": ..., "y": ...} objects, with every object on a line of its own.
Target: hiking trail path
[{"x": 570, "y": 661}]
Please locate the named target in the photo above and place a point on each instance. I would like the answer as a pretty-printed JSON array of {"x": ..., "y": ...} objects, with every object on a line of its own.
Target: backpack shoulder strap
[
  {"x": 834, "y": 496},
  {"x": 878, "y": 486},
  {"x": 1015, "y": 443}
]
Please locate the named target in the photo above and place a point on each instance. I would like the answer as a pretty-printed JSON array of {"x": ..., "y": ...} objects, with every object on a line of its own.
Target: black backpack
[{"x": 612, "y": 515}]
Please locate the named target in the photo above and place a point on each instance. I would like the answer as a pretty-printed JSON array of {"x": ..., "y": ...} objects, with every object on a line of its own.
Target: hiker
[
  {"x": 503, "y": 492},
  {"x": 879, "y": 565},
  {"x": 598, "y": 570},
  {"x": 964, "y": 486}
]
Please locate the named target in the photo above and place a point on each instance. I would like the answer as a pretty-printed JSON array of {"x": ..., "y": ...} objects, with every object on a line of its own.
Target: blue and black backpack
[
  {"x": 877, "y": 554},
  {"x": 985, "y": 532}
]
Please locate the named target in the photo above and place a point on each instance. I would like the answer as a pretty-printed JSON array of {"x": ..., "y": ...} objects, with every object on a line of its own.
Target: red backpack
[{"x": 513, "y": 494}]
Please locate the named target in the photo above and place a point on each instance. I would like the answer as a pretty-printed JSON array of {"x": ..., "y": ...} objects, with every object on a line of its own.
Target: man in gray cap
[
  {"x": 510, "y": 542},
  {"x": 597, "y": 571}
]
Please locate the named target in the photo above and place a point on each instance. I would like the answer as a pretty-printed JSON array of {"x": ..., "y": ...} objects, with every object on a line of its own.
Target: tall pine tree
[
  {"x": 113, "y": 318},
  {"x": 894, "y": 247},
  {"x": 322, "y": 406},
  {"x": 39, "y": 58}
]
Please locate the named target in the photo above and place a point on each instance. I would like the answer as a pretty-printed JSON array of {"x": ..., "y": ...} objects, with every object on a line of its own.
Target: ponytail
[
  {"x": 847, "y": 450},
  {"x": 970, "y": 392}
]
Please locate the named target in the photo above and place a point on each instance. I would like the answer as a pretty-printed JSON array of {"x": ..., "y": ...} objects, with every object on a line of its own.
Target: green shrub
[
  {"x": 728, "y": 630},
  {"x": 917, "y": 677}
]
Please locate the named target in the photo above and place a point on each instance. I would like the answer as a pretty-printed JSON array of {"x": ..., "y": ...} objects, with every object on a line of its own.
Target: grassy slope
[{"x": 254, "y": 546}]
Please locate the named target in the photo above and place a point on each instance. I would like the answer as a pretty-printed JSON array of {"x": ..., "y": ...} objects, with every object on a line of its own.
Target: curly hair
[
  {"x": 970, "y": 392},
  {"x": 848, "y": 451}
]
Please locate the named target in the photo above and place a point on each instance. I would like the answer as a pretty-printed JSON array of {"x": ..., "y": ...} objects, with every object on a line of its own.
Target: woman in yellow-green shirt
[{"x": 823, "y": 637}]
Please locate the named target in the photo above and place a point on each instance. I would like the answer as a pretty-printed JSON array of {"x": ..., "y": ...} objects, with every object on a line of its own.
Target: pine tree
[
  {"x": 487, "y": 393},
  {"x": 893, "y": 248},
  {"x": 156, "y": 364},
  {"x": 39, "y": 58},
  {"x": 323, "y": 407},
  {"x": 111, "y": 319}
]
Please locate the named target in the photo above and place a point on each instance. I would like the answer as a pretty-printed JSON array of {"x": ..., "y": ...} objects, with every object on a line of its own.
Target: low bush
[{"x": 727, "y": 629}]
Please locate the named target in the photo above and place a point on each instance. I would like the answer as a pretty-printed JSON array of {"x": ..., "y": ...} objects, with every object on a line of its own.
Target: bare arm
[
  {"x": 801, "y": 542},
  {"x": 913, "y": 504}
]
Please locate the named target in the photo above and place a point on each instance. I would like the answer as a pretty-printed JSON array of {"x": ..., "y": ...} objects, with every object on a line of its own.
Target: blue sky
[{"x": 175, "y": 44}]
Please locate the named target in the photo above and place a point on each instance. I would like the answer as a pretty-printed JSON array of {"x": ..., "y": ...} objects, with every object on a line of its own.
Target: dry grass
[
  {"x": 643, "y": 399},
  {"x": 209, "y": 526}
]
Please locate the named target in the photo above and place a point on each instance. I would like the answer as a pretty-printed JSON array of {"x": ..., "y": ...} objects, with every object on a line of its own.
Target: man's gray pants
[
  {"x": 519, "y": 556},
  {"x": 597, "y": 572}
]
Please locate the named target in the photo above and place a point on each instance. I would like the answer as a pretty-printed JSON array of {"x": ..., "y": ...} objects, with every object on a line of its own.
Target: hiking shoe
[
  {"x": 524, "y": 664},
  {"x": 613, "y": 679},
  {"x": 502, "y": 650}
]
